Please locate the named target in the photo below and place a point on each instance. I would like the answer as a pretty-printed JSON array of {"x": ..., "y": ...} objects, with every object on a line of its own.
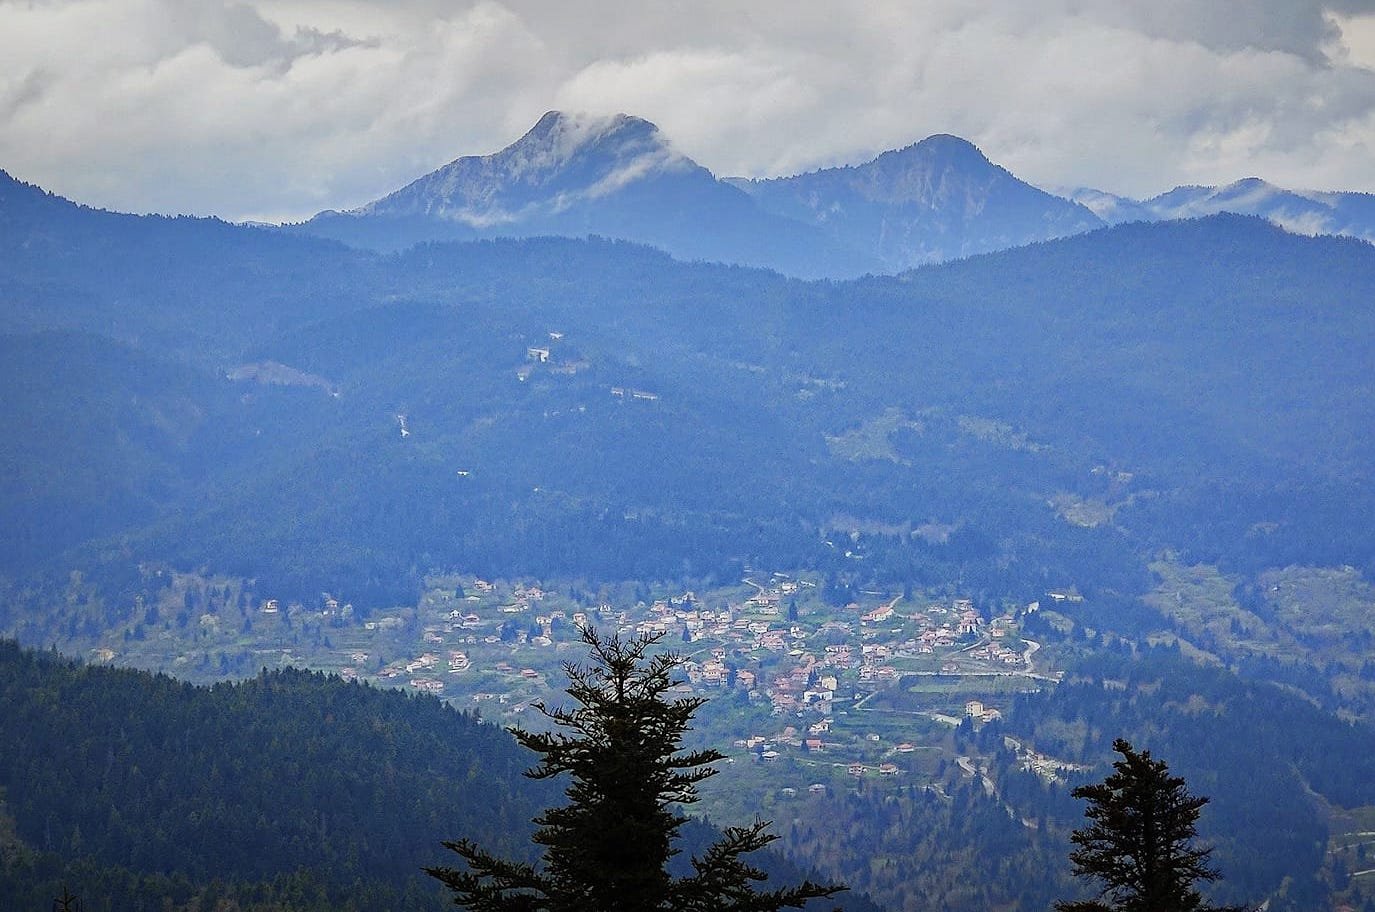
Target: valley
[
  {"x": 773, "y": 649},
  {"x": 820, "y": 696}
]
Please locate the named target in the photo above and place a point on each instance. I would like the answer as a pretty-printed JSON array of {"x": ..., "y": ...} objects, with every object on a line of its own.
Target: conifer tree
[
  {"x": 1140, "y": 840},
  {"x": 607, "y": 850}
]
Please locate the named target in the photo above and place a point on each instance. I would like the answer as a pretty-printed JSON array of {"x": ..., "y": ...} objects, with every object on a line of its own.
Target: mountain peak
[
  {"x": 930, "y": 172},
  {"x": 559, "y": 137},
  {"x": 921, "y": 167},
  {"x": 949, "y": 144},
  {"x": 940, "y": 150},
  {"x": 932, "y": 200},
  {"x": 563, "y": 158},
  {"x": 576, "y": 128},
  {"x": 1250, "y": 189}
]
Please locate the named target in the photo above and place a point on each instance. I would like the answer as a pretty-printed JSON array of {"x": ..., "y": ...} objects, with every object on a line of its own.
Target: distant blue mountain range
[
  {"x": 938, "y": 199},
  {"x": 1302, "y": 212}
]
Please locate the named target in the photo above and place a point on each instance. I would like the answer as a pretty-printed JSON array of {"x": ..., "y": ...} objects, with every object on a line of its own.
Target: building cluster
[{"x": 798, "y": 661}]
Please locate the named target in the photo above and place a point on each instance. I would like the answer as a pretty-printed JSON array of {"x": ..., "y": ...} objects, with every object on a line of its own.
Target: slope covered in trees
[
  {"x": 289, "y": 787},
  {"x": 1067, "y": 409},
  {"x": 1272, "y": 764},
  {"x": 289, "y": 790}
]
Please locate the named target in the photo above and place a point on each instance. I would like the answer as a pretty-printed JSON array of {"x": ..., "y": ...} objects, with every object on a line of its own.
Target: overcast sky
[{"x": 279, "y": 108}]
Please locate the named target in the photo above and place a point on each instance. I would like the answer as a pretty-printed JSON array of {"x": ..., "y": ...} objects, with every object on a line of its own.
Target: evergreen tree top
[
  {"x": 607, "y": 849},
  {"x": 1140, "y": 840}
]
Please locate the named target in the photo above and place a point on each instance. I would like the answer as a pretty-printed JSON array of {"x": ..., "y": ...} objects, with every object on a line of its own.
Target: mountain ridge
[
  {"x": 1311, "y": 212},
  {"x": 619, "y": 176},
  {"x": 573, "y": 175}
]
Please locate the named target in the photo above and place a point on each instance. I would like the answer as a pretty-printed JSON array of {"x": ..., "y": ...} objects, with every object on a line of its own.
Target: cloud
[
  {"x": 278, "y": 108},
  {"x": 1105, "y": 95},
  {"x": 142, "y": 105}
]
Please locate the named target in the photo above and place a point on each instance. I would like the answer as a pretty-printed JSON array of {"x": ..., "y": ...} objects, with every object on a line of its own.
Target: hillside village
[
  {"x": 788, "y": 676},
  {"x": 808, "y": 689}
]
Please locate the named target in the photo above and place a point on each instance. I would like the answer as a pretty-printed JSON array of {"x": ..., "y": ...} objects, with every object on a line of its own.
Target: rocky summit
[{"x": 562, "y": 161}]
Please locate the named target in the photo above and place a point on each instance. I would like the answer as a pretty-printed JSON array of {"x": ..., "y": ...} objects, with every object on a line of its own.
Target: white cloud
[{"x": 284, "y": 107}]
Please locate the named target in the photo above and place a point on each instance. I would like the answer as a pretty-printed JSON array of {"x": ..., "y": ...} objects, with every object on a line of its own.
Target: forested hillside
[
  {"x": 1066, "y": 409},
  {"x": 289, "y": 790},
  {"x": 285, "y": 788}
]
